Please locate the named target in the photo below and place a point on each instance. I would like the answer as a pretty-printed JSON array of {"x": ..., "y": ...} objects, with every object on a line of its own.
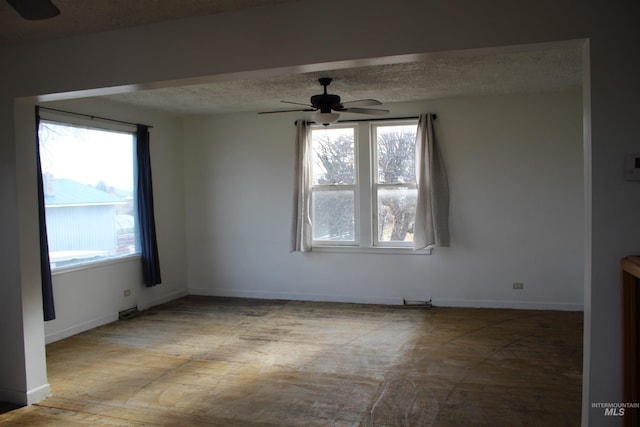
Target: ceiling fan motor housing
[{"x": 325, "y": 102}]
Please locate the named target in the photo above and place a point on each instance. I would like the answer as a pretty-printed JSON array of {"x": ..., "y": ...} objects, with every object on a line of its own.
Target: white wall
[
  {"x": 277, "y": 40},
  {"x": 515, "y": 171},
  {"x": 89, "y": 297},
  {"x": 32, "y": 327}
]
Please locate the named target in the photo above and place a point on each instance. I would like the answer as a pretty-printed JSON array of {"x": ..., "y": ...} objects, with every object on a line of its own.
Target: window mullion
[
  {"x": 411, "y": 185},
  {"x": 373, "y": 190},
  {"x": 325, "y": 187},
  {"x": 364, "y": 185}
]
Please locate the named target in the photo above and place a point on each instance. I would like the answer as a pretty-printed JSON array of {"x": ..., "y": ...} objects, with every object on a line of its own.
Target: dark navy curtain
[
  {"x": 148, "y": 242},
  {"x": 45, "y": 266}
]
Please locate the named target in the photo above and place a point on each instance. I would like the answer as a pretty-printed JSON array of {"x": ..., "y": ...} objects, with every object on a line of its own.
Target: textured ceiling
[
  {"x": 89, "y": 16},
  {"x": 451, "y": 75},
  {"x": 445, "y": 75}
]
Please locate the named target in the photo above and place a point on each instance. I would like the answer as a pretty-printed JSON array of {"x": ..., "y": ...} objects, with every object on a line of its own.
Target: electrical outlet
[
  {"x": 518, "y": 285},
  {"x": 127, "y": 292}
]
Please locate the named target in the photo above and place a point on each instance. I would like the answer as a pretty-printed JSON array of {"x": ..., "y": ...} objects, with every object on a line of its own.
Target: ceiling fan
[
  {"x": 328, "y": 107},
  {"x": 34, "y": 10}
]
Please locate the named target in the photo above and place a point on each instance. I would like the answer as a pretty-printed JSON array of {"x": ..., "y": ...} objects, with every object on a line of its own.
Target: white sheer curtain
[
  {"x": 432, "y": 210},
  {"x": 301, "y": 229}
]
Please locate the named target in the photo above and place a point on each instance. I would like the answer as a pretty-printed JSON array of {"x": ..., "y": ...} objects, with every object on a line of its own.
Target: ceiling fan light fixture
[
  {"x": 325, "y": 118},
  {"x": 35, "y": 10}
]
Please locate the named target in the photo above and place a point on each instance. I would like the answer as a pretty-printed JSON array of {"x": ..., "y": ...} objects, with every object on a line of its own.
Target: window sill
[
  {"x": 95, "y": 264},
  {"x": 371, "y": 250}
]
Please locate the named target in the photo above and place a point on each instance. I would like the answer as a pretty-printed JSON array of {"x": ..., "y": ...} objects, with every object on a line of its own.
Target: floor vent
[
  {"x": 417, "y": 304},
  {"x": 128, "y": 313}
]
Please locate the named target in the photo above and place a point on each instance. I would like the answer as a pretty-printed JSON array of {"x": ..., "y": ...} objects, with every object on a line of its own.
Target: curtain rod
[
  {"x": 91, "y": 116},
  {"x": 433, "y": 116}
]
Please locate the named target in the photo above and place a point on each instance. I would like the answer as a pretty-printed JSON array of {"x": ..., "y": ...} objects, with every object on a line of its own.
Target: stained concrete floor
[{"x": 202, "y": 361}]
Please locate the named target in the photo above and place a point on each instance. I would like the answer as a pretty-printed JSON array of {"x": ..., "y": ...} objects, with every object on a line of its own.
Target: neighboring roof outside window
[{"x": 66, "y": 192}]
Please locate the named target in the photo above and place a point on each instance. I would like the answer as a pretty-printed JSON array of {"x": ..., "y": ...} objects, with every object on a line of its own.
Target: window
[
  {"x": 333, "y": 185},
  {"x": 394, "y": 184},
  {"x": 88, "y": 181},
  {"x": 363, "y": 185}
]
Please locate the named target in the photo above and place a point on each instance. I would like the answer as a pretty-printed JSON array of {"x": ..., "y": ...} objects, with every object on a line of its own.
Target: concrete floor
[{"x": 202, "y": 361}]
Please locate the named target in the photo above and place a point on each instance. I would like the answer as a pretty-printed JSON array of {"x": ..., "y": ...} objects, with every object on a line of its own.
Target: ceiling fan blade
[
  {"x": 286, "y": 111},
  {"x": 297, "y": 103},
  {"x": 361, "y": 103},
  {"x": 371, "y": 111},
  {"x": 34, "y": 10}
]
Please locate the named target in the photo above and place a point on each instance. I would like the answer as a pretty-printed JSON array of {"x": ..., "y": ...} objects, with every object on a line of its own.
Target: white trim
[
  {"x": 75, "y": 205},
  {"x": 365, "y": 190},
  {"x": 518, "y": 305},
  {"x": 38, "y": 394},
  {"x": 112, "y": 317},
  {"x": 77, "y": 120},
  {"x": 353, "y": 188},
  {"x": 365, "y": 177},
  {"x": 463, "y": 303},
  {"x": 95, "y": 264},
  {"x": 375, "y": 185},
  {"x": 83, "y": 327},
  {"x": 162, "y": 299},
  {"x": 371, "y": 250},
  {"x": 236, "y": 293}
]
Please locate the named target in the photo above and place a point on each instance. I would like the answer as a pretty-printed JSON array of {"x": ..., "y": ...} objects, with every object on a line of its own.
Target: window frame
[
  {"x": 342, "y": 187},
  {"x": 71, "y": 120},
  {"x": 376, "y": 185},
  {"x": 365, "y": 210}
]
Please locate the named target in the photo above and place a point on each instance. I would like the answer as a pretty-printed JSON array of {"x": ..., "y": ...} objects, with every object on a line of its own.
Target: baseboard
[
  {"x": 112, "y": 317},
  {"x": 442, "y": 302},
  {"x": 38, "y": 394},
  {"x": 29, "y": 398},
  {"x": 294, "y": 296},
  {"x": 76, "y": 329},
  {"x": 162, "y": 299},
  {"x": 519, "y": 305}
]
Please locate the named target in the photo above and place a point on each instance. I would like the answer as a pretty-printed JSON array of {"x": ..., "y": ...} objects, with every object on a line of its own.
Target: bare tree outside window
[
  {"x": 396, "y": 182},
  {"x": 334, "y": 179},
  {"x": 348, "y": 170}
]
